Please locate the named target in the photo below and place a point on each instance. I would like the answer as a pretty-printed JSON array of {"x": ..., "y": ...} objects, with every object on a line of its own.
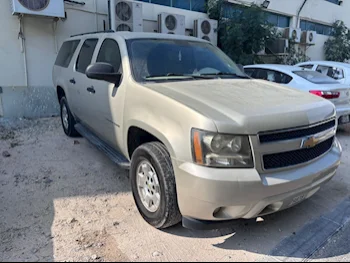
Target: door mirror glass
[{"x": 103, "y": 71}]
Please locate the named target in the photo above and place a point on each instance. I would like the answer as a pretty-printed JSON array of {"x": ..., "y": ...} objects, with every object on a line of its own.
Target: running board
[{"x": 115, "y": 156}]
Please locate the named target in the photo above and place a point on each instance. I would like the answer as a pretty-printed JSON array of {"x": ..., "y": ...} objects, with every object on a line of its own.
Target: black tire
[
  {"x": 70, "y": 131},
  {"x": 168, "y": 213}
]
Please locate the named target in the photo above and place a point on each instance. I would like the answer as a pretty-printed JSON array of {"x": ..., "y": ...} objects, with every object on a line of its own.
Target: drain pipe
[
  {"x": 300, "y": 9},
  {"x": 23, "y": 49},
  {"x": 112, "y": 14}
]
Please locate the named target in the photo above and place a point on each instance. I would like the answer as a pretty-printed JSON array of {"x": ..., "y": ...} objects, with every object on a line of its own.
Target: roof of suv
[{"x": 138, "y": 35}]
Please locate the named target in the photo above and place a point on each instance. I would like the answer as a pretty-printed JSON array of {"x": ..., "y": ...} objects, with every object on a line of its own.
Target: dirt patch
[{"x": 63, "y": 200}]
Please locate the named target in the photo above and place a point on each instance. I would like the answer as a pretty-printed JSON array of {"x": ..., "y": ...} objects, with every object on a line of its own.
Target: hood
[{"x": 244, "y": 106}]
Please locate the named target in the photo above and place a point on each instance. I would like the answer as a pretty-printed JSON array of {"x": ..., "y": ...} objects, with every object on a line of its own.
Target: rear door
[
  {"x": 62, "y": 70},
  {"x": 81, "y": 82}
]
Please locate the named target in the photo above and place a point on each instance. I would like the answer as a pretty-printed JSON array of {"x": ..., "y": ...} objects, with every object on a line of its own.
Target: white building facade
[
  {"x": 29, "y": 45},
  {"x": 313, "y": 15}
]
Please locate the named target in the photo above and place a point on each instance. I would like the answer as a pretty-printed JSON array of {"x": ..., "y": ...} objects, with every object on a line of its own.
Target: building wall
[
  {"x": 319, "y": 11},
  {"x": 26, "y": 78},
  {"x": 26, "y": 72}
]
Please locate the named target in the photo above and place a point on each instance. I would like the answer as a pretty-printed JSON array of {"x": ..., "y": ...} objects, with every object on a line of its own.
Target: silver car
[{"x": 309, "y": 81}]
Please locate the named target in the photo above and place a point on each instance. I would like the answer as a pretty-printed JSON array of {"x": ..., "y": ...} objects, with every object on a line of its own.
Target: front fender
[{"x": 150, "y": 129}]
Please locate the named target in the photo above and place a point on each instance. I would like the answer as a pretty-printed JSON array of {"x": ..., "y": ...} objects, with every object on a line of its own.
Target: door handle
[
  {"x": 91, "y": 89},
  {"x": 72, "y": 81}
]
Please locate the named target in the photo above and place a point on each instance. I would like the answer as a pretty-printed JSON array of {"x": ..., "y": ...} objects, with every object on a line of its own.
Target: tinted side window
[
  {"x": 110, "y": 53},
  {"x": 335, "y": 73},
  {"x": 261, "y": 74},
  {"x": 309, "y": 66},
  {"x": 285, "y": 79},
  {"x": 249, "y": 72},
  {"x": 85, "y": 55},
  {"x": 66, "y": 53},
  {"x": 273, "y": 76}
]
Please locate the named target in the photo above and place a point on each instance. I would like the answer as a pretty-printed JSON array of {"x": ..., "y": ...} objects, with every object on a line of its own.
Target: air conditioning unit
[
  {"x": 206, "y": 29},
  {"x": 171, "y": 24},
  {"x": 278, "y": 46},
  {"x": 309, "y": 37},
  {"x": 48, "y": 8},
  {"x": 128, "y": 16},
  {"x": 294, "y": 34}
]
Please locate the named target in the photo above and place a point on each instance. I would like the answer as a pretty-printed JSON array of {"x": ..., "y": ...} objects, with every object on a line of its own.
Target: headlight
[{"x": 221, "y": 150}]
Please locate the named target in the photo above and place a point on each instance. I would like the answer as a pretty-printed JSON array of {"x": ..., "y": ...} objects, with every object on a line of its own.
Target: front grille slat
[
  {"x": 286, "y": 159},
  {"x": 294, "y": 134}
]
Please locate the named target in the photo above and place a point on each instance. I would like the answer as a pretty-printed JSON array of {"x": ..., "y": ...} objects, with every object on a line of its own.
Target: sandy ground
[{"x": 63, "y": 200}]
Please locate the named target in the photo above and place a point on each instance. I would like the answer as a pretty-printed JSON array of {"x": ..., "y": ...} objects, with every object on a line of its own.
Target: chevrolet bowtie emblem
[{"x": 309, "y": 142}]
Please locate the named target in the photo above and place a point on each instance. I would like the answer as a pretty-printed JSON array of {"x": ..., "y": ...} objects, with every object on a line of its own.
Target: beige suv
[{"x": 204, "y": 143}]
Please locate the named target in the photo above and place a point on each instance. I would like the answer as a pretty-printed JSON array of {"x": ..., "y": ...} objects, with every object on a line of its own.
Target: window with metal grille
[{"x": 319, "y": 28}]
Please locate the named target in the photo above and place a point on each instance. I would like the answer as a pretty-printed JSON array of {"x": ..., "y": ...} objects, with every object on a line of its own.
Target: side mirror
[{"x": 103, "y": 71}]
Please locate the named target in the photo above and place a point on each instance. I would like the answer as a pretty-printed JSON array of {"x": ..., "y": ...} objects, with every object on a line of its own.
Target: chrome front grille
[
  {"x": 296, "y": 133},
  {"x": 291, "y": 147}
]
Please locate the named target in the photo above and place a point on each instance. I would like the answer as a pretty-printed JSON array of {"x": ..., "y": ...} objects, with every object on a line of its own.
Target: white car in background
[
  {"x": 336, "y": 70},
  {"x": 308, "y": 81}
]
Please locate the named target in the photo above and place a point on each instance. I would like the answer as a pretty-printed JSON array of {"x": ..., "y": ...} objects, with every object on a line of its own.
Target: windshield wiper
[
  {"x": 175, "y": 76},
  {"x": 225, "y": 74}
]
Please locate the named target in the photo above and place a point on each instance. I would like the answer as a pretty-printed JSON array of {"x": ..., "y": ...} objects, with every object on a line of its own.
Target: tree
[
  {"x": 242, "y": 32},
  {"x": 337, "y": 47}
]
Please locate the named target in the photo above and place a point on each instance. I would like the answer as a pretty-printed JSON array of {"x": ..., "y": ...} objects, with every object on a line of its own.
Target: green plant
[
  {"x": 295, "y": 54},
  {"x": 337, "y": 47},
  {"x": 243, "y": 30}
]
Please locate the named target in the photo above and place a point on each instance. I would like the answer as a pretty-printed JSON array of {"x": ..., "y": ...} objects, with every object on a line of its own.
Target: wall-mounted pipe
[
  {"x": 54, "y": 29},
  {"x": 113, "y": 14},
  {"x": 299, "y": 11},
  {"x": 96, "y": 15},
  {"x": 23, "y": 49}
]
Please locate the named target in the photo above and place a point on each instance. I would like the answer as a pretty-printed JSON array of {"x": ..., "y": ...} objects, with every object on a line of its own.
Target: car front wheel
[{"x": 153, "y": 185}]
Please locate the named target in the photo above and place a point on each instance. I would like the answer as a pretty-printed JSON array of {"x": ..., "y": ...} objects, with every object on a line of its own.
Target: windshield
[
  {"x": 165, "y": 60},
  {"x": 315, "y": 77}
]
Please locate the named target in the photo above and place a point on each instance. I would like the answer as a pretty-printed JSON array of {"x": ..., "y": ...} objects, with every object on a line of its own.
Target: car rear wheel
[
  {"x": 153, "y": 185},
  {"x": 67, "y": 119}
]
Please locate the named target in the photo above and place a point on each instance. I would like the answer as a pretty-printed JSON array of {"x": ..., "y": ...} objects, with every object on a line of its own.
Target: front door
[{"x": 107, "y": 102}]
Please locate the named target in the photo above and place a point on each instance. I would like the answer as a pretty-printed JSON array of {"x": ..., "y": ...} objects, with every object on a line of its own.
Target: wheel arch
[{"x": 148, "y": 134}]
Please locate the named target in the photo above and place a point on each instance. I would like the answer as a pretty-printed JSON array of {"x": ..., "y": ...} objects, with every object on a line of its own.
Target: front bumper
[{"x": 211, "y": 194}]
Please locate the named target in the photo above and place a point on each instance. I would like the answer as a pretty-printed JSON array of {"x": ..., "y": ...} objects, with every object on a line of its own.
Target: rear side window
[
  {"x": 110, "y": 53},
  {"x": 85, "y": 55},
  {"x": 333, "y": 72},
  {"x": 66, "y": 53},
  {"x": 273, "y": 76},
  {"x": 308, "y": 66}
]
